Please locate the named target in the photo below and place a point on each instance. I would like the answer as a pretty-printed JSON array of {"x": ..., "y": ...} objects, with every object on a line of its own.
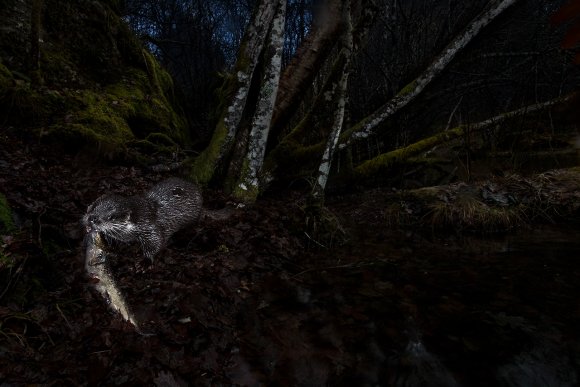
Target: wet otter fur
[{"x": 150, "y": 219}]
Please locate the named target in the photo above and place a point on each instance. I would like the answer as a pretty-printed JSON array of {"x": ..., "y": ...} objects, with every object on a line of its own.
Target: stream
[{"x": 414, "y": 311}]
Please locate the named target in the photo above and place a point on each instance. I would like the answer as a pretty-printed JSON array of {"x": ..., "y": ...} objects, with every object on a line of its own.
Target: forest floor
[{"x": 254, "y": 300}]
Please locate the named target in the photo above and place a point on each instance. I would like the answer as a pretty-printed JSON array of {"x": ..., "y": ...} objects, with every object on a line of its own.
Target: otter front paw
[{"x": 151, "y": 246}]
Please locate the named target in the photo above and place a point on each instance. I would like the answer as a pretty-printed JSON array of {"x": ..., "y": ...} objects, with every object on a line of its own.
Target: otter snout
[{"x": 89, "y": 221}]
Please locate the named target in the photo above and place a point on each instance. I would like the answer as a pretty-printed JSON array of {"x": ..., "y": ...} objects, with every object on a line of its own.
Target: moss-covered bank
[{"x": 96, "y": 85}]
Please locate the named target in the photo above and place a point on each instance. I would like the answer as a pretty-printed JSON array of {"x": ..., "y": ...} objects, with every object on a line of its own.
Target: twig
[
  {"x": 14, "y": 278},
  {"x": 64, "y": 317},
  {"x": 345, "y": 266},
  {"x": 314, "y": 240}
]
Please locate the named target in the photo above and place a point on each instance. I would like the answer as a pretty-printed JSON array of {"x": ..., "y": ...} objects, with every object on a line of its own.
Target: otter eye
[{"x": 177, "y": 191}]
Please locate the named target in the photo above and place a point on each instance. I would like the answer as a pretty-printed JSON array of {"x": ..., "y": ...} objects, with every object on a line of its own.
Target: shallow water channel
[{"x": 415, "y": 311}]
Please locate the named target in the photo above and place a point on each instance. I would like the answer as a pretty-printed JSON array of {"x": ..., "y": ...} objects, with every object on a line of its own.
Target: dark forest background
[
  {"x": 516, "y": 61},
  {"x": 367, "y": 72}
]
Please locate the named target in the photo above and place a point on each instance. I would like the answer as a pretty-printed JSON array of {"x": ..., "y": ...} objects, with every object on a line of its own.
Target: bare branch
[{"x": 368, "y": 125}]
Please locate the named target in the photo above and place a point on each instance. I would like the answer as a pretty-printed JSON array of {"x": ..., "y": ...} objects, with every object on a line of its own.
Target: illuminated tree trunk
[
  {"x": 247, "y": 187},
  {"x": 237, "y": 88},
  {"x": 340, "y": 95}
]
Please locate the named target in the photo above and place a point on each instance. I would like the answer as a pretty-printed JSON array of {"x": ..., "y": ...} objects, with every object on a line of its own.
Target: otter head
[{"x": 111, "y": 216}]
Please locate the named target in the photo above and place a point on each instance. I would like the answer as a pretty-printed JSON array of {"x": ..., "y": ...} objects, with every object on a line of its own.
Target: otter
[{"x": 150, "y": 219}]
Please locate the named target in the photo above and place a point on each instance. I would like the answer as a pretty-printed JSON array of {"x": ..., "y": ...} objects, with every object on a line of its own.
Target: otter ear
[{"x": 177, "y": 191}]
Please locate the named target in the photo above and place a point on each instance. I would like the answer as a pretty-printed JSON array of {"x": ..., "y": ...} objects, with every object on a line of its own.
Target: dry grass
[
  {"x": 492, "y": 205},
  {"x": 471, "y": 214}
]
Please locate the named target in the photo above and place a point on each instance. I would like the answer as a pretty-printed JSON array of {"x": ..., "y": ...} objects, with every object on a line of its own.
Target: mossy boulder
[{"x": 96, "y": 86}]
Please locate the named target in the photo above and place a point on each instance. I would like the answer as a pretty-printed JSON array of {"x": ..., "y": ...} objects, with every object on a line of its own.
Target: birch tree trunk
[
  {"x": 247, "y": 187},
  {"x": 292, "y": 152},
  {"x": 340, "y": 91},
  {"x": 206, "y": 163},
  {"x": 368, "y": 125},
  {"x": 385, "y": 160}
]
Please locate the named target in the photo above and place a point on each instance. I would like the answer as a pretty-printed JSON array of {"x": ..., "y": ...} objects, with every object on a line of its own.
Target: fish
[{"x": 98, "y": 268}]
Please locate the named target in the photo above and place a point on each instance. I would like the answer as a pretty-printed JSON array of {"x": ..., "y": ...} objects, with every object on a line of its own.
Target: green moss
[
  {"x": 101, "y": 88},
  {"x": 347, "y": 134},
  {"x": 161, "y": 139},
  {"x": 160, "y": 79},
  {"x": 92, "y": 119},
  {"x": 119, "y": 113},
  {"x": 203, "y": 166},
  {"x": 141, "y": 97},
  {"x": 155, "y": 143},
  {"x": 241, "y": 191},
  {"x": 6, "y": 222},
  {"x": 223, "y": 96},
  {"x": 408, "y": 88},
  {"x": 148, "y": 147},
  {"x": 104, "y": 115},
  {"x": 248, "y": 195},
  {"x": 386, "y": 160}
]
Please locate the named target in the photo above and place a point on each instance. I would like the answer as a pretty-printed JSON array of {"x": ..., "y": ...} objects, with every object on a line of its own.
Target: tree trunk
[
  {"x": 340, "y": 97},
  {"x": 237, "y": 87},
  {"x": 247, "y": 186},
  {"x": 305, "y": 64},
  {"x": 292, "y": 152},
  {"x": 385, "y": 160},
  {"x": 369, "y": 124}
]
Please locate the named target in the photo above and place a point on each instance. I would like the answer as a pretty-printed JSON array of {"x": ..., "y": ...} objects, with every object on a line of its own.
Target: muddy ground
[{"x": 253, "y": 300}]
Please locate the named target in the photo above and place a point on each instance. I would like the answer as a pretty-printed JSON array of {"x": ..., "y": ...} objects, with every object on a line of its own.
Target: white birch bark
[
  {"x": 248, "y": 185},
  {"x": 382, "y": 161},
  {"x": 370, "y": 123},
  {"x": 225, "y": 132},
  {"x": 326, "y": 162}
]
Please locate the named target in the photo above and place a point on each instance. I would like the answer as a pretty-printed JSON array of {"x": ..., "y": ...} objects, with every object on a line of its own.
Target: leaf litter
[{"x": 244, "y": 301}]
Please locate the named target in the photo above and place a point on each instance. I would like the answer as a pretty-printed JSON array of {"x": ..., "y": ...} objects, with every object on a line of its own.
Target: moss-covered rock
[{"x": 99, "y": 87}]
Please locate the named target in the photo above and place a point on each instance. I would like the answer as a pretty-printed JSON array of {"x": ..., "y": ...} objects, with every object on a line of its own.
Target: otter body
[{"x": 150, "y": 219}]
